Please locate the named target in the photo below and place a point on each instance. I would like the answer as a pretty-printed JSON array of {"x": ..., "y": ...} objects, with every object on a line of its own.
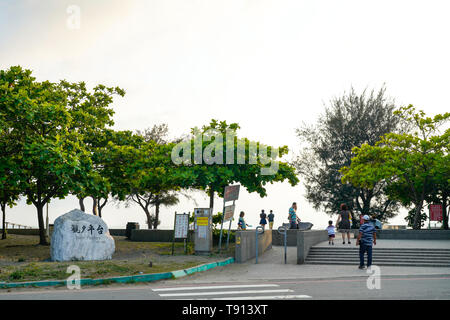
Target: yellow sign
[{"x": 202, "y": 221}]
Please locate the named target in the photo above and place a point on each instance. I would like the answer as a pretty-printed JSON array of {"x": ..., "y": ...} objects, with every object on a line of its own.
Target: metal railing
[
  {"x": 283, "y": 231},
  {"x": 258, "y": 230},
  {"x": 19, "y": 226}
]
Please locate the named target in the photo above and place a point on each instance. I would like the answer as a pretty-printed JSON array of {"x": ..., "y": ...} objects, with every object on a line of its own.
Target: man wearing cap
[{"x": 367, "y": 236}]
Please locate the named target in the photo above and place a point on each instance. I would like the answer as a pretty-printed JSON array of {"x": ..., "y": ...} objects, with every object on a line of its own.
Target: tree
[
  {"x": 91, "y": 116},
  {"x": 217, "y": 158},
  {"x": 9, "y": 189},
  {"x": 51, "y": 159},
  {"x": 411, "y": 164},
  {"x": 157, "y": 177},
  {"x": 351, "y": 120}
]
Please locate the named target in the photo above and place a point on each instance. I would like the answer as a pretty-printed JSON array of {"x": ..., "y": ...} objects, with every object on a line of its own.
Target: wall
[
  {"x": 117, "y": 232},
  {"x": 307, "y": 239},
  {"x": 23, "y": 232},
  {"x": 246, "y": 244},
  {"x": 278, "y": 239},
  {"x": 146, "y": 235},
  {"x": 414, "y": 234}
]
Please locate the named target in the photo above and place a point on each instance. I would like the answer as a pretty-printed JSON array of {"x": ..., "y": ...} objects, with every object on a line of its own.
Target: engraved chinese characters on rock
[{"x": 80, "y": 236}]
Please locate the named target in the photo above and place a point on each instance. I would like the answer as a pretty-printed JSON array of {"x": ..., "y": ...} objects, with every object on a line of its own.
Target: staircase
[{"x": 380, "y": 256}]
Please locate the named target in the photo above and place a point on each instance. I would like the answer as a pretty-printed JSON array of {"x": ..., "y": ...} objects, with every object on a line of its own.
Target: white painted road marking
[
  {"x": 301, "y": 296},
  {"x": 223, "y": 293},
  {"x": 216, "y": 287}
]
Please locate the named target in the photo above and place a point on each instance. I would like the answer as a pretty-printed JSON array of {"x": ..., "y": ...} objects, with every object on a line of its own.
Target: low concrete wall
[
  {"x": 306, "y": 239},
  {"x": 146, "y": 235},
  {"x": 246, "y": 244},
  {"x": 414, "y": 234},
  {"x": 278, "y": 239},
  {"x": 117, "y": 232},
  {"x": 23, "y": 232}
]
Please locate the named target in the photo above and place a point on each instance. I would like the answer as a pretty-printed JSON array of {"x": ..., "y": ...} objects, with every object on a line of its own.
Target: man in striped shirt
[{"x": 367, "y": 236}]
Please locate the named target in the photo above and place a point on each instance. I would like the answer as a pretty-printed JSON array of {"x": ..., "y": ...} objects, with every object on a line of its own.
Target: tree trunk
[
  {"x": 100, "y": 206},
  {"x": 94, "y": 206},
  {"x": 81, "y": 202},
  {"x": 42, "y": 236},
  {"x": 211, "y": 199},
  {"x": 149, "y": 219},
  {"x": 417, "y": 223},
  {"x": 3, "y": 221},
  {"x": 155, "y": 223},
  {"x": 444, "y": 211}
]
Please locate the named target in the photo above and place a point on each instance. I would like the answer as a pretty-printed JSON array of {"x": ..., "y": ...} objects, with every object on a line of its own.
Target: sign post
[
  {"x": 231, "y": 193},
  {"x": 180, "y": 229}
]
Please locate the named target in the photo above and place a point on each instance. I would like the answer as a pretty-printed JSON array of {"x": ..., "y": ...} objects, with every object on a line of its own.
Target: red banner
[{"x": 435, "y": 212}]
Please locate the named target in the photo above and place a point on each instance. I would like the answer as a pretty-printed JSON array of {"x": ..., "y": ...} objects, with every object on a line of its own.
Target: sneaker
[
  {"x": 349, "y": 242},
  {"x": 361, "y": 267},
  {"x": 343, "y": 242}
]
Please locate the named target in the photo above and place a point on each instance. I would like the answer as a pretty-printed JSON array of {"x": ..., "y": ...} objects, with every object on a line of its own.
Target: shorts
[{"x": 331, "y": 236}]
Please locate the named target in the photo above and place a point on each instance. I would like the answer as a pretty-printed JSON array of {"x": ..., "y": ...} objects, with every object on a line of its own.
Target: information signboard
[
  {"x": 231, "y": 193},
  {"x": 435, "y": 212},
  {"x": 181, "y": 226},
  {"x": 229, "y": 213}
]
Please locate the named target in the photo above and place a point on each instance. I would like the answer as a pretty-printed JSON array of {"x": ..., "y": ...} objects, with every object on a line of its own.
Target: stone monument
[{"x": 80, "y": 236}]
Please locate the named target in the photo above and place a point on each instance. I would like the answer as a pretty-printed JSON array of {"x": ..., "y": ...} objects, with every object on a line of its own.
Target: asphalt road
[{"x": 389, "y": 287}]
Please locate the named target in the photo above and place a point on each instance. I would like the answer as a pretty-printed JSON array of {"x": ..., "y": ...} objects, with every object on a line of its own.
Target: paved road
[
  {"x": 269, "y": 279},
  {"x": 391, "y": 287}
]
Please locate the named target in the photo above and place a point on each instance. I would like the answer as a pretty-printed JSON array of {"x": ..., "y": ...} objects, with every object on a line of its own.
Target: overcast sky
[{"x": 266, "y": 64}]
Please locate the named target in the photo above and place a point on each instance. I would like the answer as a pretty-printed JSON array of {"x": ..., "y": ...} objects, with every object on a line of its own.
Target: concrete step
[
  {"x": 375, "y": 251},
  {"x": 379, "y": 263},
  {"x": 331, "y": 250},
  {"x": 380, "y": 256},
  {"x": 378, "y": 259},
  {"x": 410, "y": 250}
]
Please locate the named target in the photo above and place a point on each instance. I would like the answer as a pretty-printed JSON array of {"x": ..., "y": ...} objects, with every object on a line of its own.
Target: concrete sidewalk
[{"x": 271, "y": 267}]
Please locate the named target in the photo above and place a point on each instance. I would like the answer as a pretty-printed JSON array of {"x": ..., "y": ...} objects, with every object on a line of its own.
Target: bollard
[
  {"x": 257, "y": 231},
  {"x": 283, "y": 230}
]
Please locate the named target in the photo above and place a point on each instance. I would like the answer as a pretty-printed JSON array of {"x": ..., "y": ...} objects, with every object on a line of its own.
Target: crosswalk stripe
[
  {"x": 216, "y": 287},
  {"x": 301, "y": 296},
  {"x": 222, "y": 293}
]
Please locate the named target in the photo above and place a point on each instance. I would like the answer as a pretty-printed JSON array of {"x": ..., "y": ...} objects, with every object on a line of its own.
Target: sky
[{"x": 269, "y": 65}]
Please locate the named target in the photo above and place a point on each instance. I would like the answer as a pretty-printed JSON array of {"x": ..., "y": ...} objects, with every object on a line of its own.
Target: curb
[{"x": 123, "y": 279}]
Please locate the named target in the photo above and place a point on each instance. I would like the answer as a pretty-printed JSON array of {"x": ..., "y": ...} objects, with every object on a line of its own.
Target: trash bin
[{"x": 131, "y": 226}]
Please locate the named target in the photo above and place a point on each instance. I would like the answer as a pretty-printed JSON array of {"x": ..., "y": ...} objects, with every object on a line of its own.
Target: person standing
[
  {"x": 241, "y": 223},
  {"x": 367, "y": 236},
  {"x": 271, "y": 216},
  {"x": 343, "y": 222},
  {"x": 293, "y": 216},
  {"x": 263, "y": 220},
  {"x": 331, "y": 232}
]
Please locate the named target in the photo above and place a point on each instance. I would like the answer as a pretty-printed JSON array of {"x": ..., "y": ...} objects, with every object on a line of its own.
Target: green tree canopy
[
  {"x": 349, "y": 121},
  {"x": 411, "y": 164},
  {"x": 218, "y": 158}
]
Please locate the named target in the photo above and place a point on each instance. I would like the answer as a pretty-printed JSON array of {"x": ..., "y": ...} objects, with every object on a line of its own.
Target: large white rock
[{"x": 80, "y": 236}]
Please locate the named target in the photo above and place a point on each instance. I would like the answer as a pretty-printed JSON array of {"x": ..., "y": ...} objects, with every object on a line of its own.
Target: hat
[{"x": 366, "y": 217}]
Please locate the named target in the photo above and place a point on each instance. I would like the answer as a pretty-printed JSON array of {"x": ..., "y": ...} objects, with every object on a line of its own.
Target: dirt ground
[{"x": 22, "y": 259}]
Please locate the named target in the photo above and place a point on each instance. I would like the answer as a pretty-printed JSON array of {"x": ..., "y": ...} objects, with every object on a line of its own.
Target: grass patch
[{"x": 21, "y": 260}]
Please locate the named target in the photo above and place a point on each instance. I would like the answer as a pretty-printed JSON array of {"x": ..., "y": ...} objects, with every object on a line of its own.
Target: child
[
  {"x": 331, "y": 232},
  {"x": 241, "y": 224}
]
